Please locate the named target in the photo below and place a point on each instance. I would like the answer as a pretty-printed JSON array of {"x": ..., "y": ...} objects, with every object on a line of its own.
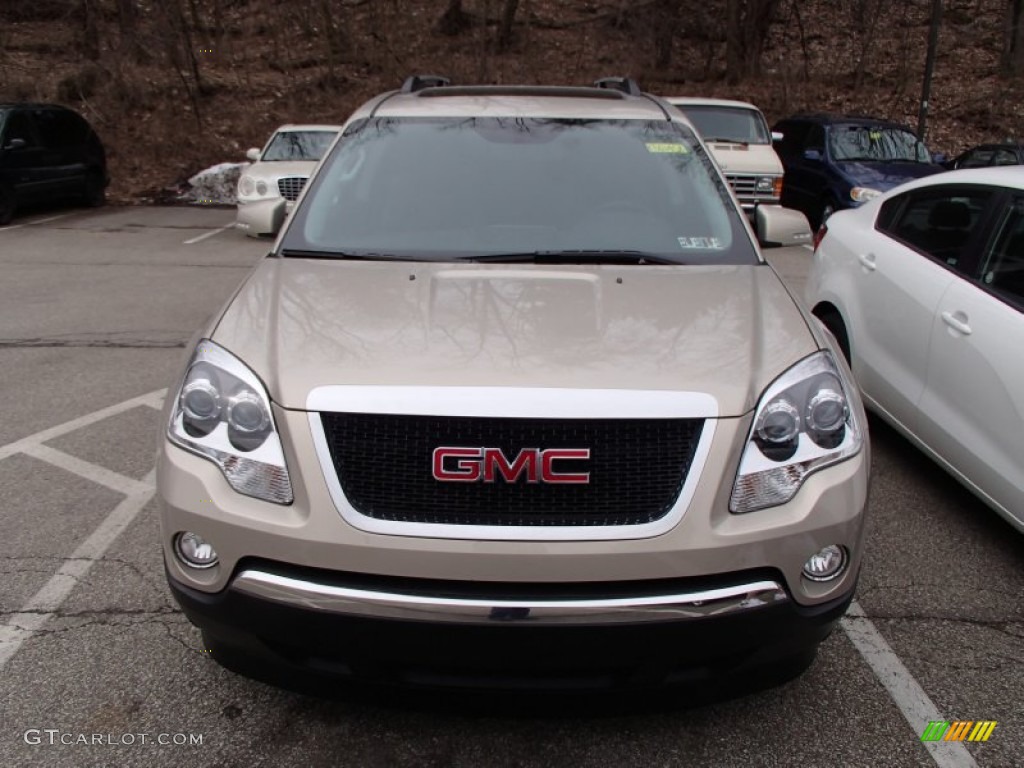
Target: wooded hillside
[{"x": 175, "y": 85}]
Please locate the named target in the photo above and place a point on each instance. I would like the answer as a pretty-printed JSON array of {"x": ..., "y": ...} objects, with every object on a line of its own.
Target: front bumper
[{"x": 310, "y": 629}]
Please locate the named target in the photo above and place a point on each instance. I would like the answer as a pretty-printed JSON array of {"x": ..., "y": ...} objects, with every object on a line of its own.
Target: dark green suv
[{"x": 48, "y": 152}]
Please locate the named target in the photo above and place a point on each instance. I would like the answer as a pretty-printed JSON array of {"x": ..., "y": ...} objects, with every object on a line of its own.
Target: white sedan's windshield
[{"x": 461, "y": 187}]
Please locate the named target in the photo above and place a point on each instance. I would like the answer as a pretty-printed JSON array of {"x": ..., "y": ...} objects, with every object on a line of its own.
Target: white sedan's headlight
[
  {"x": 246, "y": 186},
  {"x": 863, "y": 194},
  {"x": 803, "y": 423},
  {"x": 222, "y": 413}
]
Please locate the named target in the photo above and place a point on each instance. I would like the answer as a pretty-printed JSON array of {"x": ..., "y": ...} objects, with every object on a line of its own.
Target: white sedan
[
  {"x": 269, "y": 187},
  {"x": 924, "y": 289}
]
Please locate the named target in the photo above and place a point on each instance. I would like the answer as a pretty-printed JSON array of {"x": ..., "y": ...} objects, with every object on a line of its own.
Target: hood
[
  {"x": 723, "y": 330},
  {"x": 884, "y": 176},
  {"x": 276, "y": 169},
  {"x": 746, "y": 158}
]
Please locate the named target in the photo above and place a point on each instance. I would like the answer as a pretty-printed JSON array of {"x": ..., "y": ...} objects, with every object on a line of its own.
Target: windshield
[
  {"x": 876, "y": 143},
  {"x": 453, "y": 188},
  {"x": 745, "y": 126},
  {"x": 298, "y": 145}
]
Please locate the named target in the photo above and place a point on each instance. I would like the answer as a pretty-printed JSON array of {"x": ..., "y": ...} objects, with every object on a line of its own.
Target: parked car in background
[
  {"x": 515, "y": 401},
  {"x": 48, "y": 152},
  {"x": 834, "y": 162},
  {"x": 737, "y": 135},
  {"x": 985, "y": 155},
  {"x": 269, "y": 187},
  {"x": 924, "y": 289}
]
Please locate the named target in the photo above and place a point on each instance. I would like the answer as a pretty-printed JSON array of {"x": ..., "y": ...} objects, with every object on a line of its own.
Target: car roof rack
[
  {"x": 419, "y": 82},
  {"x": 625, "y": 84}
]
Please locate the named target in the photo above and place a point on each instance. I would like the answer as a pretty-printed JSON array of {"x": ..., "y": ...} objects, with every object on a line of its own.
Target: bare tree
[
  {"x": 1013, "y": 38},
  {"x": 747, "y": 26},
  {"x": 508, "y": 18},
  {"x": 866, "y": 15},
  {"x": 454, "y": 20},
  {"x": 90, "y": 30}
]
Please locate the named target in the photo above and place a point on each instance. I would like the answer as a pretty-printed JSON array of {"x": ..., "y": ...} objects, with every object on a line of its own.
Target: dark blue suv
[{"x": 834, "y": 162}]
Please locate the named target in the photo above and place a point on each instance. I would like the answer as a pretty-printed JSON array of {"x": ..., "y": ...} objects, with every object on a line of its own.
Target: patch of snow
[{"x": 216, "y": 184}]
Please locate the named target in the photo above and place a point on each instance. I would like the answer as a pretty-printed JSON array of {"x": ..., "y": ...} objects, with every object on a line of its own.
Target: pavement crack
[{"x": 105, "y": 343}]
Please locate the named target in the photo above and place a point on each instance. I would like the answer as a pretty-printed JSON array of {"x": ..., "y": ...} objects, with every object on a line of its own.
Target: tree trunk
[
  {"x": 90, "y": 30},
  {"x": 929, "y": 67},
  {"x": 747, "y": 25},
  {"x": 666, "y": 19},
  {"x": 128, "y": 30},
  {"x": 1013, "y": 38},
  {"x": 508, "y": 18},
  {"x": 454, "y": 20}
]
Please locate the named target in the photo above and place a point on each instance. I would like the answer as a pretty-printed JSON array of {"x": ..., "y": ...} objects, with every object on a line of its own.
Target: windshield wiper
[
  {"x": 574, "y": 257},
  {"x": 293, "y": 253},
  {"x": 721, "y": 140}
]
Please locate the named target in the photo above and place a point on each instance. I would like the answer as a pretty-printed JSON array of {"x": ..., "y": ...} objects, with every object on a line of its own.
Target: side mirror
[
  {"x": 253, "y": 154},
  {"x": 16, "y": 144},
  {"x": 777, "y": 136},
  {"x": 812, "y": 154},
  {"x": 780, "y": 226}
]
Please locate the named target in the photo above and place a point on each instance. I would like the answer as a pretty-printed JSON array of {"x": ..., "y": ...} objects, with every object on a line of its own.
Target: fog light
[
  {"x": 195, "y": 551},
  {"x": 825, "y": 564}
]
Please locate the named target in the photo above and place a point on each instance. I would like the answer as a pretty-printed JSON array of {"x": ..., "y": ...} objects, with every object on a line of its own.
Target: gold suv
[{"x": 515, "y": 401}]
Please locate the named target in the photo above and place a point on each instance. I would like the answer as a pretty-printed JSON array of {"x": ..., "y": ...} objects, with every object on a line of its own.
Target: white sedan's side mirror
[
  {"x": 253, "y": 154},
  {"x": 776, "y": 225}
]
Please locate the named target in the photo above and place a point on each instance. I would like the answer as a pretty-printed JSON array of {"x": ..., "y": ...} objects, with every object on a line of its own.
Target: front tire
[
  {"x": 834, "y": 322},
  {"x": 95, "y": 194},
  {"x": 7, "y": 206}
]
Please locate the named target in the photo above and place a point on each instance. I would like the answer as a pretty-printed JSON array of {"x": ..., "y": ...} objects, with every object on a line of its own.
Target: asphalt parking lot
[{"x": 98, "y": 667}]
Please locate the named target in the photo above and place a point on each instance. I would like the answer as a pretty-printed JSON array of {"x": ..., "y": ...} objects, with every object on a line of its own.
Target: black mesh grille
[
  {"x": 637, "y": 468},
  {"x": 291, "y": 186}
]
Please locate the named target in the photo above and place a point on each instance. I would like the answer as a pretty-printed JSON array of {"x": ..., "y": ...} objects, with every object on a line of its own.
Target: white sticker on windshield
[{"x": 703, "y": 243}]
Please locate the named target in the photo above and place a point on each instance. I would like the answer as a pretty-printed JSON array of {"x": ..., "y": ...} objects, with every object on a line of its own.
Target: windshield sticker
[
  {"x": 875, "y": 135},
  {"x": 703, "y": 243},
  {"x": 665, "y": 148}
]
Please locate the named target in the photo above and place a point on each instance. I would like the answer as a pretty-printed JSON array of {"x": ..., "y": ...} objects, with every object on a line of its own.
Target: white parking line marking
[
  {"x": 904, "y": 690},
  {"x": 808, "y": 247},
  {"x": 208, "y": 234},
  {"x": 115, "y": 481},
  {"x": 19, "y": 446},
  {"x": 31, "y": 223},
  {"x": 42, "y": 606}
]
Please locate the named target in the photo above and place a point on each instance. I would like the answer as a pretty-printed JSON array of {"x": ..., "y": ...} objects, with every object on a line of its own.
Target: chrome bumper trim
[{"x": 299, "y": 593}]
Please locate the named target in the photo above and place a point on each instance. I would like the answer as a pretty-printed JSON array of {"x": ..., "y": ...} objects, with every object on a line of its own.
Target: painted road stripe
[
  {"x": 42, "y": 606},
  {"x": 909, "y": 696},
  {"x": 18, "y": 446},
  {"x": 31, "y": 223},
  {"x": 115, "y": 481},
  {"x": 209, "y": 234}
]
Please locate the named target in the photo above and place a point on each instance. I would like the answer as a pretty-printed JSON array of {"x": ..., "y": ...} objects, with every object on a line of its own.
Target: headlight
[
  {"x": 222, "y": 413},
  {"x": 765, "y": 184},
  {"x": 803, "y": 423},
  {"x": 863, "y": 194},
  {"x": 261, "y": 188},
  {"x": 246, "y": 186}
]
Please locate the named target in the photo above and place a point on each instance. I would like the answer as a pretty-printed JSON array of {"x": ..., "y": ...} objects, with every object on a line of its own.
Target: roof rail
[
  {"x": 624, "y": 84},
  {"x": 419, "y": 82}
]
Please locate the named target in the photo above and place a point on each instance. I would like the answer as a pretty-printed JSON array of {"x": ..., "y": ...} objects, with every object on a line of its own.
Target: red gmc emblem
[{"x": 486, "y": 465}]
